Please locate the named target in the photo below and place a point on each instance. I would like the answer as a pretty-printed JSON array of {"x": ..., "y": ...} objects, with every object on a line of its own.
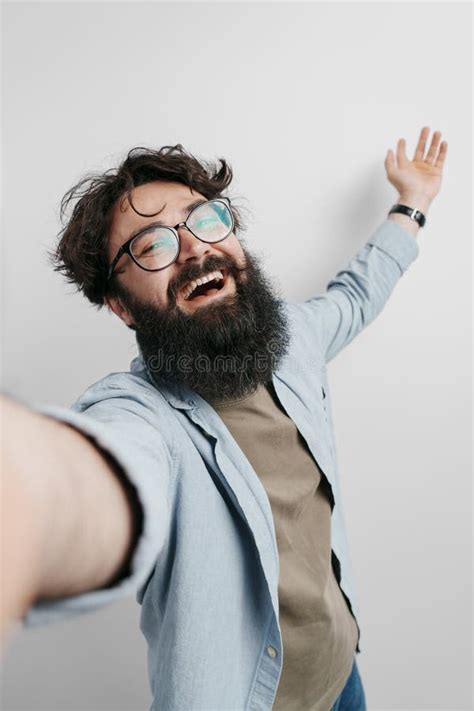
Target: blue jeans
[{"x": 352, "y": 697}]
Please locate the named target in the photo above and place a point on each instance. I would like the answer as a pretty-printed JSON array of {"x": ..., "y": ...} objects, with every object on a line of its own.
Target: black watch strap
[{"x": 412, "y": 212}]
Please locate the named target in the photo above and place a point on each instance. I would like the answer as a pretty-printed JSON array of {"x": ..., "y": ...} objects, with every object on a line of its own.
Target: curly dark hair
[{"x": 81, "y": 252}]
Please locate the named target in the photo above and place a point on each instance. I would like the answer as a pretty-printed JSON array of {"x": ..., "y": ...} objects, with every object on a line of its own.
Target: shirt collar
[{"x": 179, "y": 396}]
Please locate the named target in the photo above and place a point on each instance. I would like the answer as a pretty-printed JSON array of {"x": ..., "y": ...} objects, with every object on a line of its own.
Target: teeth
[{"x": 218, "y": 276}]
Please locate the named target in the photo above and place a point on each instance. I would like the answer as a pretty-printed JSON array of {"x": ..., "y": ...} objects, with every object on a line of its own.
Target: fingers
[
  {"x": 442, "y": 154},
  {"x": 431, "y": 157},
  {"x": 436, "y": 154},
  {"x": 420, "y": 149},
  {"x": 402, "y": 158},
  {"x": 389, "y": 161}
]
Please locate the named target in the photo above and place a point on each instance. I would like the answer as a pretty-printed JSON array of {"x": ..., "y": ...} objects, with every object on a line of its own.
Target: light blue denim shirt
[{"x": 205, "y": 568}]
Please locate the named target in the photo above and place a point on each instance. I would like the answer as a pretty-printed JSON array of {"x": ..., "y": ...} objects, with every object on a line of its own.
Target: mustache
[{"x": 211, "y": 264}]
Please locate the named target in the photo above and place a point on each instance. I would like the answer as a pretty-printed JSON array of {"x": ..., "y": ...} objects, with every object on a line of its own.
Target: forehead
[{"x": 167, "y": 198}]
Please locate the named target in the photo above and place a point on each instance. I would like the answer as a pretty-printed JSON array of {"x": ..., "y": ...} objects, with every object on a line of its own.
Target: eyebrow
[{"x": 157, "y": 223}]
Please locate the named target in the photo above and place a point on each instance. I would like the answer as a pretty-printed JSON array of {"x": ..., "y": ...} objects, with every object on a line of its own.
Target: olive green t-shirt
[{"x": 319, "y": 631}]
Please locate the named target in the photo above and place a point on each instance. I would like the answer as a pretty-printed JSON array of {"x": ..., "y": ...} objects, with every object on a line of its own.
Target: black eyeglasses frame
[{"x": 126, "y": 247}]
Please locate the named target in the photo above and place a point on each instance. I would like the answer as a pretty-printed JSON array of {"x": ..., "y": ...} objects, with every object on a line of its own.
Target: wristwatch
[{"x": 412, "y": 212}]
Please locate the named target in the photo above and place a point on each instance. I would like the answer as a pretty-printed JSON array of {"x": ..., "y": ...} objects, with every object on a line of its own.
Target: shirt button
[{"x": 271, "y": 651}]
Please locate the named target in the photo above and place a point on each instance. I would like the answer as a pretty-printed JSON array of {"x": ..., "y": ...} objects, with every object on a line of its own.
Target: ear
[{"x": 115, "y": 305}]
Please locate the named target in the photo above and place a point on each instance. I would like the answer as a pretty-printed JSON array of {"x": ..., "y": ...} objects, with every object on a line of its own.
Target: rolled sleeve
[
  {"x": 359, "y": 292},
  {"x": 399, "y": 244},
  {"x": 123, "y": 429}
]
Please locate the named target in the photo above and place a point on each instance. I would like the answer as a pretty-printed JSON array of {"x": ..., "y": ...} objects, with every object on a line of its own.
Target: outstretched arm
[
  {"x": 359, "y": 292},
  {"x": 68, "y": 521}
]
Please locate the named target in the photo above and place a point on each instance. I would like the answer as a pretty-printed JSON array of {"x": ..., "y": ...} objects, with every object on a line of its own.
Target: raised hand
[{"x": 417, "y": 180}]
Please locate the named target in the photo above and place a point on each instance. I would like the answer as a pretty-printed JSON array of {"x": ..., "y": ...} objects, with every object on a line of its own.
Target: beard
[{"x": 222, "y": 350}]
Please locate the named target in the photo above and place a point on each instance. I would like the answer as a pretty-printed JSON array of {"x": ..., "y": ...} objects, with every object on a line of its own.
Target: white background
[{"x": 303, "y": 99}]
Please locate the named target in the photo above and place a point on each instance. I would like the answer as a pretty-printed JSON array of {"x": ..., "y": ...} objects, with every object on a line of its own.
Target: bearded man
[{"x": 204, "y": 479}]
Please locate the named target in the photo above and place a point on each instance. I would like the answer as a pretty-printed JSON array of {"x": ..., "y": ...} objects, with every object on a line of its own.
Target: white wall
[{"x": 311, "y": 97}]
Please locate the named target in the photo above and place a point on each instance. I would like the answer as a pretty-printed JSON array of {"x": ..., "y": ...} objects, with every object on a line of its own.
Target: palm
[{"x": 423, "y": 174}]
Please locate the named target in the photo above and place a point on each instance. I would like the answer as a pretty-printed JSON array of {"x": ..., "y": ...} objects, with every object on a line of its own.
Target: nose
[{"x": 192, "y": 248}]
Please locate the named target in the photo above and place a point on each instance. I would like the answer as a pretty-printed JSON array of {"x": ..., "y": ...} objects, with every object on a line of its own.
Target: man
[{"x": 205, "y": 478}]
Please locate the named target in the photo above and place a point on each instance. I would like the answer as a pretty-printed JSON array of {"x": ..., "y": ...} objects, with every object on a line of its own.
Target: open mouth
[{"x": 208, "y": 290}]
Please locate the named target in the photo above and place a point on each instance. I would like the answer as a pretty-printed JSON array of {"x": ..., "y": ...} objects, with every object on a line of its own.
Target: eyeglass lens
[{"x": 158, "y": 247}]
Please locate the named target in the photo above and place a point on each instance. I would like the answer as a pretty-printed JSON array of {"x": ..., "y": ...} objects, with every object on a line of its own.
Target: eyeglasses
[{"x": 156, "y": 247}]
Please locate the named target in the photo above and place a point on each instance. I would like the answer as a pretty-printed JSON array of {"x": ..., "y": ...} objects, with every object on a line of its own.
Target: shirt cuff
[{"x": 399, "y": 244}]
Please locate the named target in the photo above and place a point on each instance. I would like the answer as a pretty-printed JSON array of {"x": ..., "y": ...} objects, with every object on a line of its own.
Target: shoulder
[{"x": 122, "y": 389}]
